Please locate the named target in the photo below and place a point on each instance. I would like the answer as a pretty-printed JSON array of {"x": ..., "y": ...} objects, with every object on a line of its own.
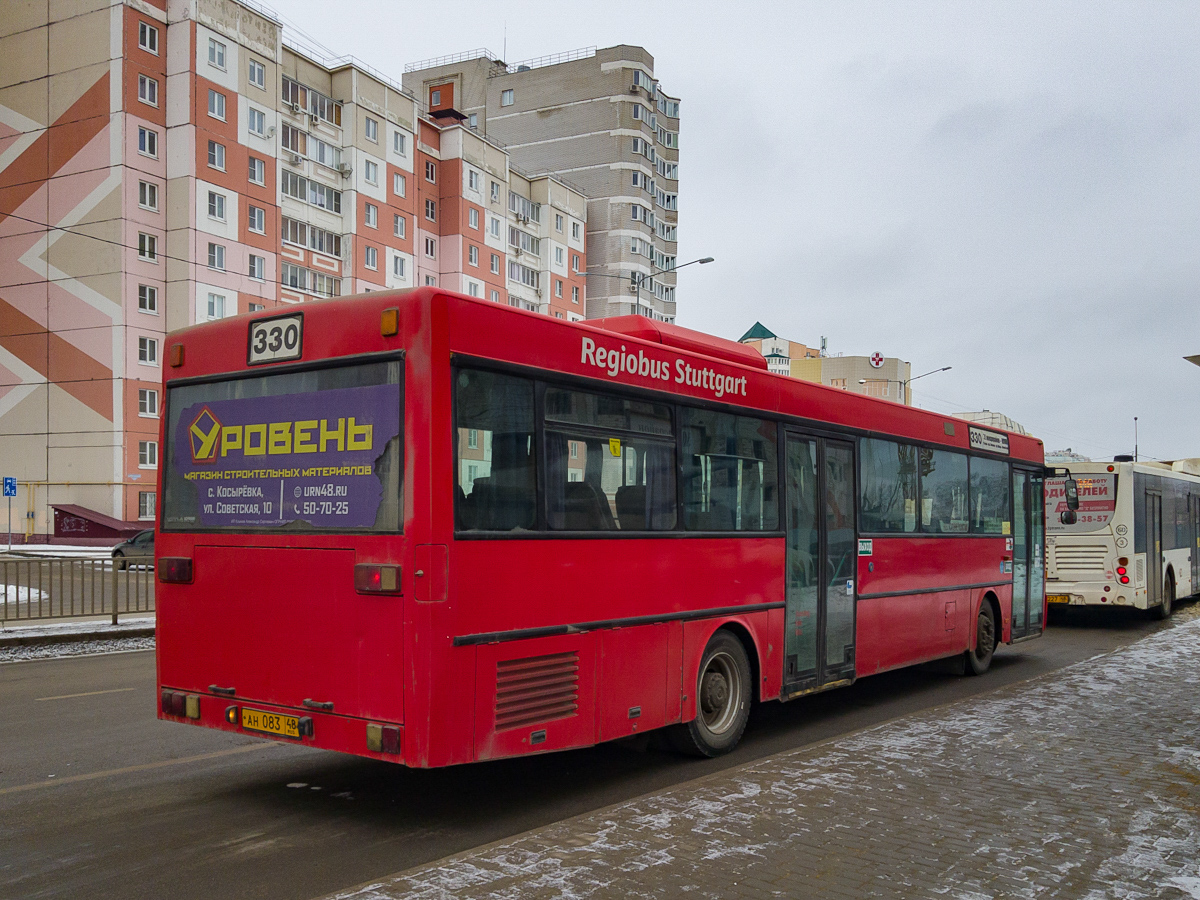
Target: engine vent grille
[
  {"x": 536, "y": 689},
  {"x": 1080, "y": 558},
  {"x": 1141, "y": 571}
]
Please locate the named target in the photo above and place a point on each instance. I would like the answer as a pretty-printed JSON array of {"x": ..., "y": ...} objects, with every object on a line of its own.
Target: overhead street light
[
  {"x": 905, "y": 382},
  {"x": 640, "y": 277}
]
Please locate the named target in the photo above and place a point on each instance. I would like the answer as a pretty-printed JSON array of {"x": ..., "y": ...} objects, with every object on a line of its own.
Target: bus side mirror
[
  {"x": 1072, "y": 492},
  {"x": 1067, "y": 517}
]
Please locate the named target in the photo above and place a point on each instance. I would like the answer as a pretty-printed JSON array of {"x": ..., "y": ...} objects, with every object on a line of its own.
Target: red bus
[{"x": 430, "y": 529}]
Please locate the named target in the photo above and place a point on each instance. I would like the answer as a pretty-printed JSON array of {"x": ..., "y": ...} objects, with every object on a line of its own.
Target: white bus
[{"x": 1135, "y": 540}]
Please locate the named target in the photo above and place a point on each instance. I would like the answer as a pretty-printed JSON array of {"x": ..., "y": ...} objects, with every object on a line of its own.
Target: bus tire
[
  {"x": 722, "y": 700},
  {"x": 979, "y": 657},
  {"x": 1164, "y": 609}
]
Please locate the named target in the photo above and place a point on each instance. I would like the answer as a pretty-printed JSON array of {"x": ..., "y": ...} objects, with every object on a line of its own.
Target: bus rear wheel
[
  {"x": 1163, "y": 610},
  {"x": 979, "y": 659},
  {"x": 722, "y": 700}
]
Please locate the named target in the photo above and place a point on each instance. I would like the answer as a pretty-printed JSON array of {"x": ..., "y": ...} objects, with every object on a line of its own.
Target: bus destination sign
[
  {"x": 988, "y": 441},
  {"x": 266, "y": 462}
]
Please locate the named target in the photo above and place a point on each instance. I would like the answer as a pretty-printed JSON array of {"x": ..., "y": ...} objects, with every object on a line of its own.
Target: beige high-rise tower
[{"x": 600, "y": 119}]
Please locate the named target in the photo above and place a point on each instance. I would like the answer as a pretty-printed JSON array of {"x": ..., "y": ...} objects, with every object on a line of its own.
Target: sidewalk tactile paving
[{"x": 1084, "y": 783}]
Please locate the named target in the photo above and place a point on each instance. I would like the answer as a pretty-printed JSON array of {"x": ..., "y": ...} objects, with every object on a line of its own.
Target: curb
[{"x": 19, "y": 640}]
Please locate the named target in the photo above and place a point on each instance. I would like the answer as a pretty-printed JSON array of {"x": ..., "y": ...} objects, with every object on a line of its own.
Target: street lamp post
[
  {"x": 905, "y": 382},
  {"x": 642, "y": 276}
]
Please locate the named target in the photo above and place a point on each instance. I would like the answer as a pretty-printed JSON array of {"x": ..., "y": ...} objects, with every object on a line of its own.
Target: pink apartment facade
[{"x": 166, "y": 162}]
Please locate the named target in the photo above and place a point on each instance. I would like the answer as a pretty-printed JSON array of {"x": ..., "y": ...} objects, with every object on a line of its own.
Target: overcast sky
[{"x": 1011, "y": 189}]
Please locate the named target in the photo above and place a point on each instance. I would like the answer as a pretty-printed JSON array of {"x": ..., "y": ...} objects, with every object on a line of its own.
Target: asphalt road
[{"x": 99, "y": 799}]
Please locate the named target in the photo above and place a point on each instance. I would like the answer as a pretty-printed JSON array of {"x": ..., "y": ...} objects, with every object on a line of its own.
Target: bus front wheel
[
  {"x": 722, "y": 700},
  {"x": 979, "y": 658}
]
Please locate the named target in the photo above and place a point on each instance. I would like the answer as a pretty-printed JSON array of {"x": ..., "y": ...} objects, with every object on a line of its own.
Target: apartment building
[
  {"x": 778, "y": 352},
  {"x": 600, "y": 119},
  {"x": 167, "y": 162}
]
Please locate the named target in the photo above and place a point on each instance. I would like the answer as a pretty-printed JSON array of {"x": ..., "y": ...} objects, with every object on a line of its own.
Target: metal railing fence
[{"x": 52, "y": 587}]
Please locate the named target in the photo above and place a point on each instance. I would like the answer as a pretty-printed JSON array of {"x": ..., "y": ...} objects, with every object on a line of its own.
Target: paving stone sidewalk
[{"x": 1084, "y": 783}]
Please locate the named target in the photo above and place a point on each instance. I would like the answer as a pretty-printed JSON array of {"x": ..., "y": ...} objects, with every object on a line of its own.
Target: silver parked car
[{"x": 137, "y": 550}]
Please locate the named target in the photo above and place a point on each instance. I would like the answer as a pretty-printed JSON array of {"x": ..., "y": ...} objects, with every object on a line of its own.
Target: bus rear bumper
[
  {"x": 1093, "y": 593},
  {"x": 285, "y": 725}
]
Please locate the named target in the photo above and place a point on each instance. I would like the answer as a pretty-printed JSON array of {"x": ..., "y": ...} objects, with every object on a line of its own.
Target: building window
[
  {"x": 370, "y": 257},
  {"x": 430, "y": 248},
  {"x": 255, "y": 307},
  {"x": 399, "y": 185},
  {"x": 473, "y": 289},
  {"x": 435, "y": 98},
  {"x": 216, "y": 303},
  {"x": 637, "y": 111},
  {"x": 430, "y": 171},
  {"x": 148, "y": 195},
  {"x": 371, "y": 215},
  {"x": 399, "y": 225},
  {"x": 147, "y": 298},
  {"x": 431, "y": 210},
  {"x": 574, "y": 294},
  {"x": 371, "y": 172},
  {"x": 146, "y": 504},
  {"x": 495, "y": 296},
  {"x": 431, "y": 280},
  {"x": 256, "y": 219},
  {"x": 473, "y": 219},
  {"x": 148, "y": 351},
  {"x": 576, "y": 230},
  {"x": 574, "y": 262},
  {"x": 495, "y": 192},
  {"x": 494, "y": 226},
  {"x": 147, "y": 454},
  {"x": 148, "y": 37},
  {"x": 258, "y": 171},
  {"x": 148, "y": 142},
  {"x": 473, "y": 255},
  {"x": 372, "y": 130},
  {"x": 558, "y": 256},
  {"x": 495, "y": 264},
  {"x": 148, "y": 90},
  {"x": 256, "y": 121},
  {"x": 558, "y": 223},
  {"x": 473, "y": 121},
  {"x": 216, "y": 206},
  {"x": 557, "y": 287},
  {"x": 216, "y": 53},
  {"x": 216, "y": 155},
  {"x": 258, "y": 267},
  {"x": 473, "y": 180},
  {"x": 506, "y": 97},
  {"x": 400, "y": 143},
  {"x": 216, "y": 257},
  {"x": 147, "y": 247},
  {"x": 398, "y": 266},
  {"x": 258, "y": 74},
  {"x": 216, "y": 104},
  {"x": 147, "y": 402}
]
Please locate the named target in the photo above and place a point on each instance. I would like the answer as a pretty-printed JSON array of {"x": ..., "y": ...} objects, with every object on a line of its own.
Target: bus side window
[
  {"x": 494, "y": 456},
  {"x": 730, "y": 476}
]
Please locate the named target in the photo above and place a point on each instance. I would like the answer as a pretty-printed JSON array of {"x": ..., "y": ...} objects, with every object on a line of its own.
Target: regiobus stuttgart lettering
[
  {"x": 615, "y": 362},
  {"x": 269, "y": 461}
]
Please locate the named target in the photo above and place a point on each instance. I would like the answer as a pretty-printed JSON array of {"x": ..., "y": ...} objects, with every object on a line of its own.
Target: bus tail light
[
  {"x": 373, "y": 579},
  {"x": 174, "y": 569},
  {"x": 383, "y": 738},
  {"x": 177, "y": 703},
  {"x": 1122, "y": 572}
]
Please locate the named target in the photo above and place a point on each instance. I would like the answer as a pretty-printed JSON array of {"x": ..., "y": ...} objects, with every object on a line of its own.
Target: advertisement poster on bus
[
  {"x": 324, "y": 459},
  {"x": 1097, "y": 503}
]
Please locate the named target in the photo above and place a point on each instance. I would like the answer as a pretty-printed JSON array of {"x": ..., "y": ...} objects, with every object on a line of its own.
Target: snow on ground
[
  {"x": 19, "y": 593},
  {"x": 74, "y": 648}
]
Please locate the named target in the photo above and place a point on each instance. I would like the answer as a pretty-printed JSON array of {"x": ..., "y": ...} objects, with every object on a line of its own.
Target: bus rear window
[
  {"x": 318, "y": 450},
  {"x": 1097, "y": 504}
]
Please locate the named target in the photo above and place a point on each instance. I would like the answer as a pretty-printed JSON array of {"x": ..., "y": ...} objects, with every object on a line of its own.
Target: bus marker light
[
  {"x": 374, "y": 737},
  {"x": 191, "y": 706},
  {"x": 383, "y": 738},
  {"x": 389, "y": 321},
  {"x": 373, "y": 579},
  {"x": 231, "y": 715},
  {"x": 1123, "y": 561},
  {"x": 1112, "y": 468},
  {"x": 175, "y": 355},
  {"x": 174, "y": 569}
]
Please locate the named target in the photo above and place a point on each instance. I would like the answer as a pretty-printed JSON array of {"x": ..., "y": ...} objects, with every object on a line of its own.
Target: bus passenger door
[
  {"x": 821, "y": 563},
  {"x": 1154, "y": 574},
  {"x": 1028, "y": 556},
  {"x": 1194, "y": 500}
]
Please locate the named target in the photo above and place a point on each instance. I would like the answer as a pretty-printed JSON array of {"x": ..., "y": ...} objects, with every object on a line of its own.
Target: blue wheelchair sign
[{"x": 10, "y": 487}]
